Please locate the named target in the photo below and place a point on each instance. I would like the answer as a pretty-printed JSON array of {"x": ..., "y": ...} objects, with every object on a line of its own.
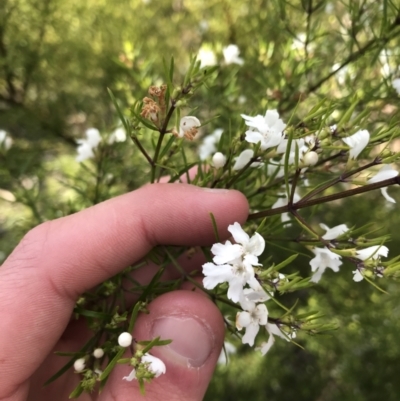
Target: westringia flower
[
  {"x": 207, "y": 57},
  {"x": 5, "y": 140},
  {"x": 334, "y": 232},
  {"x": 209, "y": 145},
  {"x": 237, "y": 274},
  {"x": 372, "y": 252},
  {"x": 323, "y": 259},
  {"x": 188, "y": 127},
  {"x": 357, "y": 275},
  {"x": 231, "y": 55},
  {"x": 153, "y": 365},
  {"x": 243, "y": 159},
  {"x": 251, "y": 318},
  {"x": 396, "y": 85},
  {"x": 357, "y": 142},
  {"x": 268, "y": 129},
  {"x": 219, "y": 160},
  {"x": 233, "y": 263},
  {"x": 247, "y": 248},
  {"x": 118, "y": 135},
  {"x": 385, "y": 173},
  {"x": 150, "y": 109},
  {"x": 86, "y": 146},
  {"x": 273, "y": 330}
]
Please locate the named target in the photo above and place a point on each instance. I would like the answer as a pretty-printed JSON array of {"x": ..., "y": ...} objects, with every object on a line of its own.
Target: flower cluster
[
  {"x": 325, "y": 257},
  {"x": 145, "y": 366},
  {"x": 236, "y": 264}
]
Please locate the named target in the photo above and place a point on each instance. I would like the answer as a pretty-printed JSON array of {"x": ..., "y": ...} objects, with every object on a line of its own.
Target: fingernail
[
  {"x": 192, "y": 341},
  {"x": 215, "y": 190}
]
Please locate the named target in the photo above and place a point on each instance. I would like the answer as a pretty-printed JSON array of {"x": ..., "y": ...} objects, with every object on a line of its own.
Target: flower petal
[{"x": 238, "y": 234}]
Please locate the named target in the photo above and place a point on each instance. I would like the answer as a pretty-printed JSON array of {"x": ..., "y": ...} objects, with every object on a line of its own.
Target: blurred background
[{"x": 57, "y": 59}]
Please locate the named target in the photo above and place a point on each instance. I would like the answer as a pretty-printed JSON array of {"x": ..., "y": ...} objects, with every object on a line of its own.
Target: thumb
[{"x": 196, "y": 328}]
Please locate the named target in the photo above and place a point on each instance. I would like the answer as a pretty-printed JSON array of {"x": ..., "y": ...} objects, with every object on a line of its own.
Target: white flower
[
  {"x": 219, "y": 160},
  {"x": 323, "y": 258},
  {"x": 125, "y": 339},
  {"x": 334, "y": 232},
  {"x": 251, "y": 247},
  {"x": 266, "y": 129},
  {"x": 396, "y": 85},
  {"x": 98, "y": 353},
  {"x": 93, "y": 137},
  {"x": 79, "y": 365},
  {"x": 373, "y": 252},
  {"x": 385, "y": 173},
  {"x": 86, "y": 146},
  {"x": 237, "y": 275},
  {"x": 357, "y": 142},
  {"x": 231, "y": 55},
  {"x": 243, "y": 159},
  {"x": 256, "y": 293},
  {"x": 85, "y": 151},
  {"x": 252, "y": 317},
  {"x": 209, "y": 145},
  {"x": 283, "y": 202},
  {"x": 233, "y": 263},
  {"x": 118, "y": 135},
  {"x": 153, "y": 364},
  {"x": 273, "y": 330},
  {"x": 207, "y": 58},
  {"x": 357, "y": 275},
  {"x": 188, "y": 127},
  {"x": 5, "y": 140}
]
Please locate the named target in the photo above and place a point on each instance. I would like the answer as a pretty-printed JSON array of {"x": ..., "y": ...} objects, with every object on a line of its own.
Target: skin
[{"x": 59, "y": 260}]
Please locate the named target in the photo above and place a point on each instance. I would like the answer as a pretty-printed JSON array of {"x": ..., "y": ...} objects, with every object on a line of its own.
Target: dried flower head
[{"x": 150, "y": 109}]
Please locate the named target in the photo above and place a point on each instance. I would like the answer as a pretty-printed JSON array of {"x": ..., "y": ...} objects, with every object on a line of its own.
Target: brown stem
[{"x": 325, "y": 199}]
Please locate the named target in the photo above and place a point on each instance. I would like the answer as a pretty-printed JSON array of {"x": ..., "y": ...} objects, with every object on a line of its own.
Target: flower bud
[
  {"x": 310, "y": 159},
  {"x": 219, "y": 160},
  {"x": 125, "y": 339},
  {"x": 79, "y": 365},
  {"x": 98, "y": 353}
]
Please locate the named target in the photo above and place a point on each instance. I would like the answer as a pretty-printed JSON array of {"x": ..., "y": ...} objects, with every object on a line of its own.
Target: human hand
[{"x": 61, "y": 259}]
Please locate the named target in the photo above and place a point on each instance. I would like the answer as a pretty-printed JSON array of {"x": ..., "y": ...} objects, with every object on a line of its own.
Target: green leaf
[{"x": 120, "y": 114}]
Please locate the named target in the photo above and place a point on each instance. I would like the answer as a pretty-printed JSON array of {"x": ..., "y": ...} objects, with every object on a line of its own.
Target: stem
[
  {"x": 325, "y": 199},
  {"x": 281, "y": 179},
  {"x": 294, "y": 184},
  {"x": 143, "y": 150},
  {"x": 341, "y": 178}
]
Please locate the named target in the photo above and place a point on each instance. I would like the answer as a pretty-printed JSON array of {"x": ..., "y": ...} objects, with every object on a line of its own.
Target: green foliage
[{"x": 318, "y": 63}]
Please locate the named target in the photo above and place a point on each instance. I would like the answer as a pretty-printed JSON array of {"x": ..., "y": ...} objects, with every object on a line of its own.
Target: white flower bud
[
  {"x": 79, "y": 364},
  {"x": 98, "y": 353},
  {"x": 310, "y": 159},
  {"x": 125, "y": 339},
  {"x": 219, "y": 160}
]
